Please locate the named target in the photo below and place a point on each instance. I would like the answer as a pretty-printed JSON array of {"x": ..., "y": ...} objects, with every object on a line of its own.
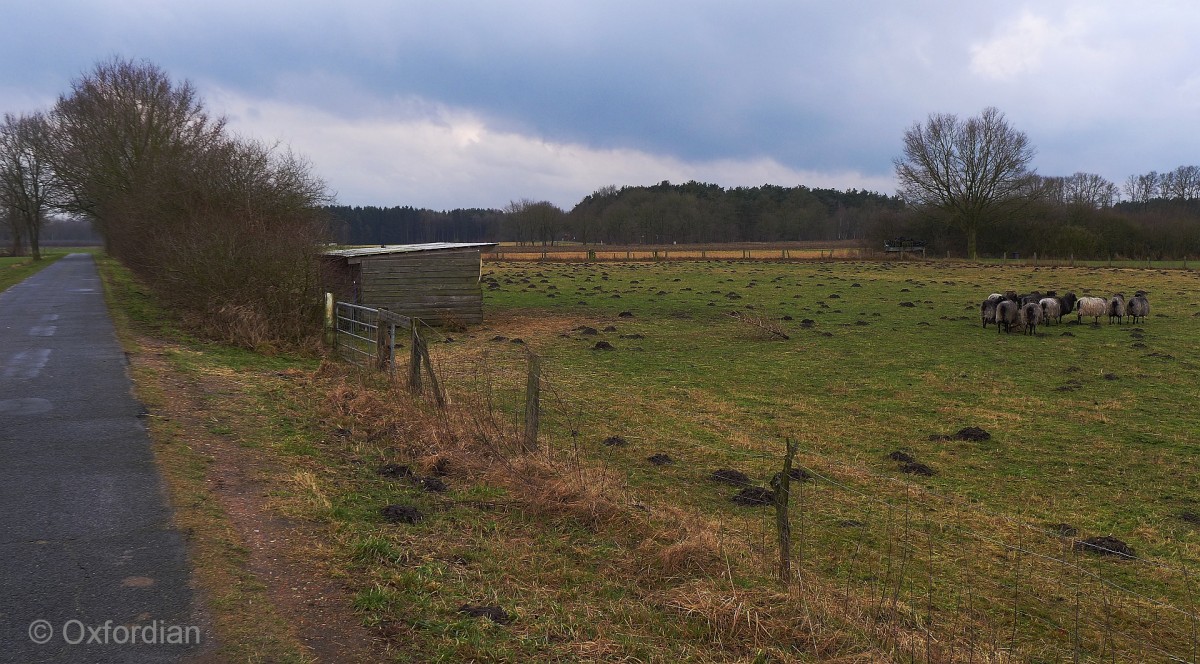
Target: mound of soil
[
  {"x": 603, "y": 345},
  {"x": 1066, "y": 334},
  {"x": 1105, "y": 546},
  {"x": 901, "y": 456},
  {"x": 590, "y": 331},
  {"x": 754, "y": 495},
  {"x": 499, "y": 337},
  {"x": 441, "y": 467},
  {"x": 1191, "y": 517},
  {"x": 394, "y": 470},
  {"x": 433, "y": 484},
  {"x": 401, "y": 514},
  {"x": 626, "y": 314},
  {"x": 610, "y": 328},
  {"x": 660, "y": 459},
  {"x": 493, "y": 613},
  {"x": 907, "y": 304},
  {"x": 730, "y": 476},
  {"x": 1111, "y": 376},
  {"x": 807, "y": 323},
  {"x": 972, "y": 433},
  {"x": 1063, "y": 529},
  {"x": 917, "y": 468},
  {"x": 517, "y": 341},
  {"x": 616, "y": 441},
  {"x": 800, "y": 475}
]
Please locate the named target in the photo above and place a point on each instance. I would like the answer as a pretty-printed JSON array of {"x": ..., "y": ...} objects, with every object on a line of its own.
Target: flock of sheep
[{"x": 1010, "y": 310}]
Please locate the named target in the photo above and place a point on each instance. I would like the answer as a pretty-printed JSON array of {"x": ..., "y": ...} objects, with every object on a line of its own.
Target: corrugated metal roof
[{"x": 406, "y": 248}]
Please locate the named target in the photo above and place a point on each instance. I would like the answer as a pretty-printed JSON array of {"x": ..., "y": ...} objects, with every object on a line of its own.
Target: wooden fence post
[
  {"x": 383, "y": 350},
  {"x": 533, "y": 405},
  {"x": 414, "y": 361},
  {"x": 781, "y": 484},
  {"x": 330, "y": 321}
]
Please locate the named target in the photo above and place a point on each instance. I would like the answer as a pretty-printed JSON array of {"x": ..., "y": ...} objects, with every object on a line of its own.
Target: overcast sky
[{"x": 445, "y": 104}]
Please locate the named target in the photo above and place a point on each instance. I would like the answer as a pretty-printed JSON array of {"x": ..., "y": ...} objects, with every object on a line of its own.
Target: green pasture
[{"x": 1092, "y": 427}]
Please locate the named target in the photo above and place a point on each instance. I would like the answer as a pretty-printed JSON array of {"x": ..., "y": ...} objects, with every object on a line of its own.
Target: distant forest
[
  {"x": 660, "y": 214},
  {"x": 1057, "y": 221}
]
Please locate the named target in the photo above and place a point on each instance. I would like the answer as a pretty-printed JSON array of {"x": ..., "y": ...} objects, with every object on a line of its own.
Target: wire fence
[{"x": 933, "y": 577}]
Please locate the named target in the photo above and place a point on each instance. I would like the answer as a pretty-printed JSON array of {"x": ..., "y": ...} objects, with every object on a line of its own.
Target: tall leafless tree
[
  {"x": 970, "y": 170},
  {"x": 1142, "y": 188},
  {"x": 118, "y": 132},
  {"x": 26, "y": 179}
]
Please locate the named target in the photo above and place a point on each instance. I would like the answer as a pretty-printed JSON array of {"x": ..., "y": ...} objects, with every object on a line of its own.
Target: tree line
[
  {"x": 967, "y": 184},
  {"x": 664, "y": 213},
  {"x": 223, "y": 229}
]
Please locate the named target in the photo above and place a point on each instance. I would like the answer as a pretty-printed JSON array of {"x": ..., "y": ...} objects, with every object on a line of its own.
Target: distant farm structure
[{"x": 437, "y": 282}]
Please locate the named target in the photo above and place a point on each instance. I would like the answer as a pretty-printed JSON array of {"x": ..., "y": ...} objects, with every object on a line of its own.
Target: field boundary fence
[
  {"x": 977, "y": 583},
  {"x": 931, "y": 577}
]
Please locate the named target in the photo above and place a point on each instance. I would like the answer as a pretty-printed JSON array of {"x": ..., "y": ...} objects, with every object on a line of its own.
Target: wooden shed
[{"x": 437, "y": 282}]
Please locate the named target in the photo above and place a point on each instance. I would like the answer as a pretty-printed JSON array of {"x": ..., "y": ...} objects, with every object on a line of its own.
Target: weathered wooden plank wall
[{"x": 439, "y": 287}]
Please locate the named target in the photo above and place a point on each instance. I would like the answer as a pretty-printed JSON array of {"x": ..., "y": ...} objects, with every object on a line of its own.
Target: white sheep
[
  {"x": 1051, "y": 309},
  {"x": 1091, "y": 306}
]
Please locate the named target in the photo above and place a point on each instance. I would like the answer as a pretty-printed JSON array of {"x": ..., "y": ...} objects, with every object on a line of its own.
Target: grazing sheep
[
  {"x": 1138, "y": 307},
  {"x": 1066, "y": 303},
  {"x": 1035, "y": 296},
  {"x": 1006, "y": 315},
  {"x": 1051, "y": 310},
  {"x": 1091, "y": 306},
  {"x": 1116, "y": 308},
  {"x": 1031, "y": 315},
  {"x": 987, "y": 312},
  {"x": 995, "y": 297}
]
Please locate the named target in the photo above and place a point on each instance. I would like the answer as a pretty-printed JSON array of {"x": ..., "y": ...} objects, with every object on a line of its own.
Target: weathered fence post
[
  {"x": 330, "y": 321},
  {"x": 533, "y": 405},
  {"x": 383, "y": 346},
  {"x": 781, "y": 484},
  {"x": 414, "y": 361}
]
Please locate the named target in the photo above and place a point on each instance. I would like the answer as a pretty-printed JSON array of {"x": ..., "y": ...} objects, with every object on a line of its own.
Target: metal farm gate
[{"x": 367, "y": 337}]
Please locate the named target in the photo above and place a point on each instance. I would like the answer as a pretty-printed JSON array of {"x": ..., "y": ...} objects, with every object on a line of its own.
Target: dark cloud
[{"x": 815, "y": 87}]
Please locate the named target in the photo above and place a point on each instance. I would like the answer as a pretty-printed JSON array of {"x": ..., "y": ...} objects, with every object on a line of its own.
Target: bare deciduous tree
[
  {"x": 25, "y": 177},
  {"x": 120, "y": 129},
  {"x": 968, "y": 169},
  {"x": 1142, "y": 188}
]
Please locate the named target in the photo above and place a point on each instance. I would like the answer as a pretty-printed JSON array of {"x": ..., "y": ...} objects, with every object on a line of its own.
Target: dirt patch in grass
[
  {"x": 1105, "y": 545},
  {"x": 491, "y": 612},
  {"x": 917, "y": 468},
  {"x": 754, "y": 495},
  {"x": 730, "y": 476},
  {"x": 660, "y": 459},
  {"x": 401, "y": 514}
]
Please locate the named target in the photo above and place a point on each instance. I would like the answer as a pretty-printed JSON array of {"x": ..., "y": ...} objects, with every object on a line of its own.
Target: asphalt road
[{"x": 86, "y": 540}]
